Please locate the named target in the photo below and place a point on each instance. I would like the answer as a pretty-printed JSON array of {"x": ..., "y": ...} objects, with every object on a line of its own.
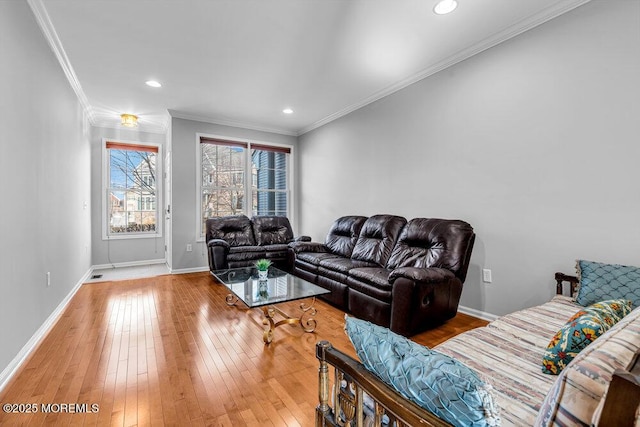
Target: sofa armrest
[
  {"x": 303, "y": 246},
  {"x": 217, "y": 251},
  {"x": 422, "y": 296},
  {"x": 219, "y": 242},
  {"x": 561, "y": 278},
  {"x": 302, "y": 239},
  {"x": 424, "y": 275}
]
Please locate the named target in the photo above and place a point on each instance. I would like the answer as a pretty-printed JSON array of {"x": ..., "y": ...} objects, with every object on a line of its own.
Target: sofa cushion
[
  {"x": 377, "y": 238},
  {"x": 343, "y": 265},
  {"x": 245, "y": 254},
  {"x": 600, "y": 281},
  {"x": 428, "y": 242},
  {"x": 283, "y": 247},
  {"x": 581, "y": 330},
  {"x": 276, "y": 251},
  {"x": 375, "y": 275},
  {"x": 235, "y": 230},
  {"x": 437, "y": 382},
  {"x": 343, "y": 234},
  {"x": 535, "y": 325},
  {"x": 382, "y": 293},
  {"x": 333, "y": 275},
  {"x": 314, "y": 258},
  {"x": 507, "y": 354},
  {"x": 271, "y": 230},
  {"x": 304, "y": 246},
  {"x": 246, "y": 249},
  {"x": 581, "y": 386}
]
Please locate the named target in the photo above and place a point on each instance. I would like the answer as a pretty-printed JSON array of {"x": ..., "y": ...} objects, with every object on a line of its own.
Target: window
[
  {"x": 269, "y": 180},
  {"x": 131, "y": 171},
  {"x": 238, "y": 177}
]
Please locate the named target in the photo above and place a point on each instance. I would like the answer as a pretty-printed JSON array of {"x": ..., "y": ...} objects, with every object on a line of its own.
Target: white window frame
[
  {"x": 248, "y": 185},
  {"x": 105, "y": 192}
]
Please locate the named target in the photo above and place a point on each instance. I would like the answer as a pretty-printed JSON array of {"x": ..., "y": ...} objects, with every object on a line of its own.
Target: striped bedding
[{"x": 508, "y": 352}]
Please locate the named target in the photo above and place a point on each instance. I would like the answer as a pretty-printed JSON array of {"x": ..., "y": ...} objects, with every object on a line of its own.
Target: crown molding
[
  {"x": 245, "y": 125},
  {"x": 487, "y": 43},
  {"x": 42, "y": 17}
]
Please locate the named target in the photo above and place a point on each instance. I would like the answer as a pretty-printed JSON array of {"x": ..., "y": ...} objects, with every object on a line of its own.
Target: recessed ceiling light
[
  {"x": 153, "y": 83},
  {"x": 287, "y": 111},
  {"x": 445, "y": 6}
]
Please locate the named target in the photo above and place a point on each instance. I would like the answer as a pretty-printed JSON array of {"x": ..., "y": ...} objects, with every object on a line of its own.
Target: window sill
[{"x": 133, "y": 236}]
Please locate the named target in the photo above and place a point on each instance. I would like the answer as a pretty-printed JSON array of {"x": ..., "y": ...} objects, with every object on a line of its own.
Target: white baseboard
[
  {"x": 189, "y": 270},
  {"x": 129, "y": 264},
  {"x": 477, "y": 313},
  {"x": 31, "y": 345}
]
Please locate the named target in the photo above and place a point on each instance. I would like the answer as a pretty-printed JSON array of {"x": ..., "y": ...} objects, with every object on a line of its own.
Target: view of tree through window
[
  {"x": 223, "y": 168},
  {"x": 131, "y": 191},
  {"x": 234, "y": 172}
]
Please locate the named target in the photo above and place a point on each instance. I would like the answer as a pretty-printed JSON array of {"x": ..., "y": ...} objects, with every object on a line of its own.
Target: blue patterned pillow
[
  {"x": 600, "y": 282},
  {"x": 438, "y": 383}
]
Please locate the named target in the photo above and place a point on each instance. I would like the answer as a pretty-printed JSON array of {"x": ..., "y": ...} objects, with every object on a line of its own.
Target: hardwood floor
[{"x": 168, "y": 350}]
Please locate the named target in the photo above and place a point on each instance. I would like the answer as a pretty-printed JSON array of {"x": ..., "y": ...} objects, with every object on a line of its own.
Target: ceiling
[{"x": 241, "y": 62}]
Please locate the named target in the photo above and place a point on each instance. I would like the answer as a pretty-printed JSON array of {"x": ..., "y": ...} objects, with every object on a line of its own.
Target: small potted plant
[{"x": 262, "y": 265}]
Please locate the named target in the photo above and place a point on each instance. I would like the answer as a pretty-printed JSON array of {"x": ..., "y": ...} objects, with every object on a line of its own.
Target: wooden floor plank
[{"x": 168, "y": 350}]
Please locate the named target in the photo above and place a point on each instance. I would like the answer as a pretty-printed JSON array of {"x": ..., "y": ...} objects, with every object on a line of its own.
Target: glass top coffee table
[{"x": 279, "y": 287}]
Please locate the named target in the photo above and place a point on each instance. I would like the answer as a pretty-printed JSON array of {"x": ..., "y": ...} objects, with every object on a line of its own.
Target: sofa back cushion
[
  {"x": 431, "y": 242},
  {"x": 343, "y": 234},
  {"x": 377, "y": 238},
  {"x": 235, "y": 230},
  {"x": 272, "y": 230}
]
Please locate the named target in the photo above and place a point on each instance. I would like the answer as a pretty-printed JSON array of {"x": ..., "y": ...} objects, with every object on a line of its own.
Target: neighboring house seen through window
[
  {"x": 238, "y": 177},
  {"x": 131, "y": 189}
]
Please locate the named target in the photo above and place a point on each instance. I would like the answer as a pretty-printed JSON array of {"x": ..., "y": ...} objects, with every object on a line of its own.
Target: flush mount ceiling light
[
  {"x": 445, "y": 6},
  {"x": 153, "y": 83},
  {"x": 287, "y": 111},
  {"x": 129, "y": 120}
]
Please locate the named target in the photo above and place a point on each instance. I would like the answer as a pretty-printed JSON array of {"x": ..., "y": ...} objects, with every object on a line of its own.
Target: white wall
[
  {"x": 118, "y": 251},
  {"x": 44, "y": 176},
  {"x": 183, "y": 176},
  {"x": 535, "y": 142}
]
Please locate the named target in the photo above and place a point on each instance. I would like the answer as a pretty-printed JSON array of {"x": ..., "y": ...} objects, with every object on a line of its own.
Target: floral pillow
[{"x": 580, "y": 331}]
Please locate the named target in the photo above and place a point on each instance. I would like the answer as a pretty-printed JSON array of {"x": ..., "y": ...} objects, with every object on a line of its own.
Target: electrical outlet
[
  {"x": 486, "y": 275},
  {"x": 189, "y": 247},
  {"x": 48, "y": 279}
]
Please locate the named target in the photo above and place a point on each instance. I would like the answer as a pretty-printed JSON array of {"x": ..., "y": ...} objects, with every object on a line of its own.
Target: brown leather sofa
[
  {"x": 237, "y": 241},
  {"x": 404, "y": 275}
]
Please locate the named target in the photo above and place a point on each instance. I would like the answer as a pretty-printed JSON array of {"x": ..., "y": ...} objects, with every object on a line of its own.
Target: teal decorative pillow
[
  {"x": 580, "y": 331},
  {"x": 607, "y": 281},
  {"x": 437, "y": 382}
]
